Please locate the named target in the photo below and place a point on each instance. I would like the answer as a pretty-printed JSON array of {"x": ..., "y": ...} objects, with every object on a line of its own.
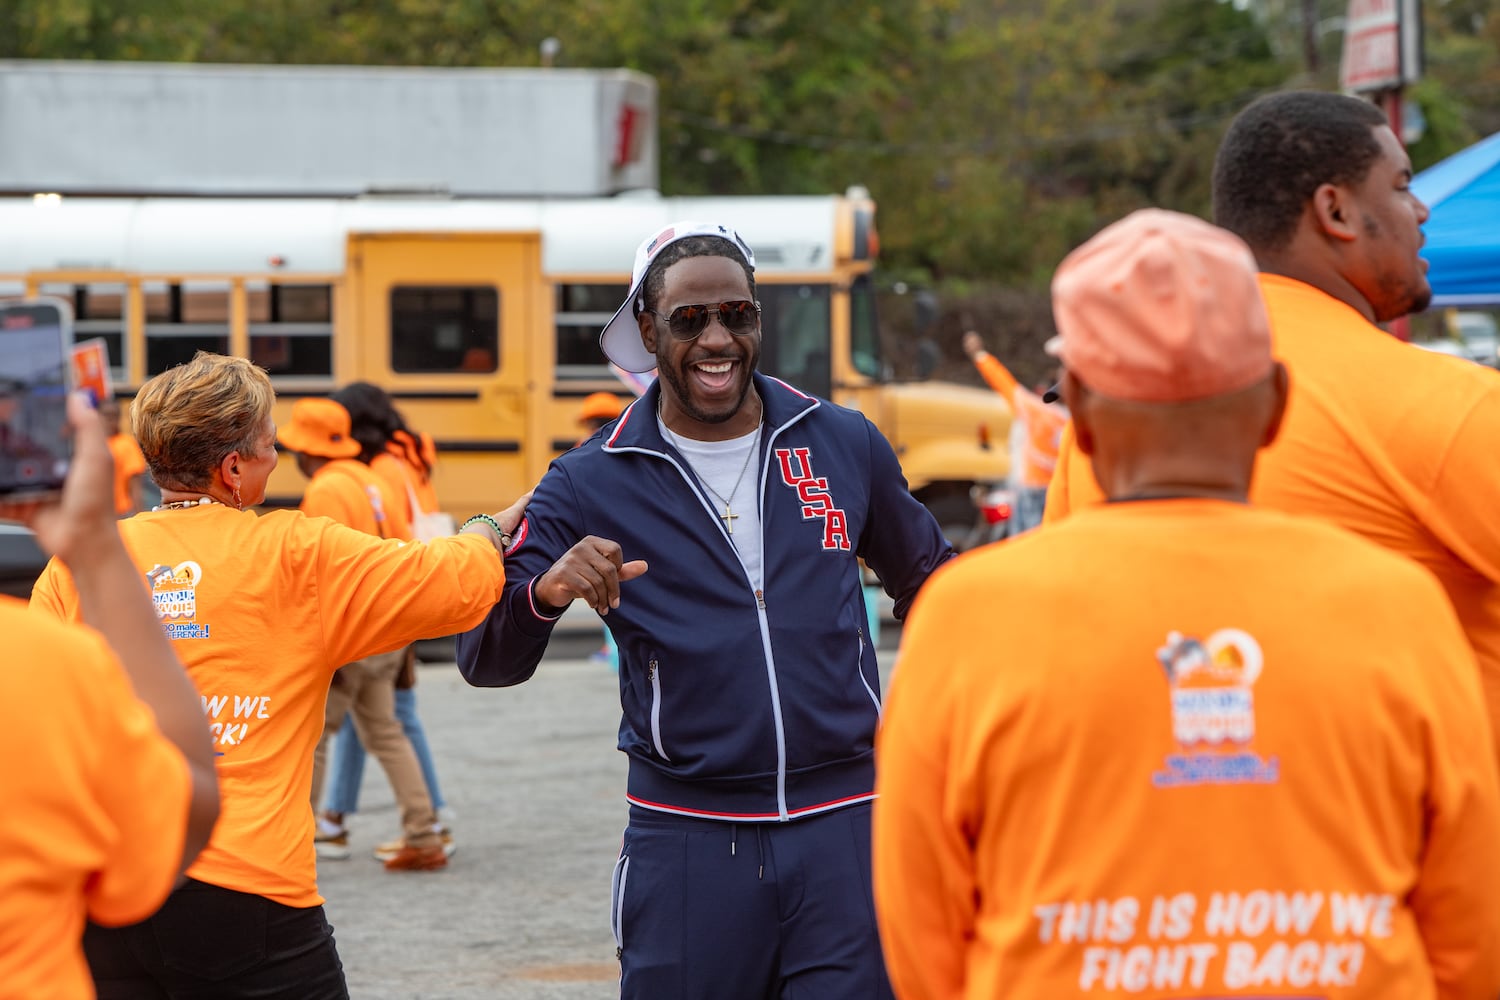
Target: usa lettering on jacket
[{"x": 812, "y": 490}]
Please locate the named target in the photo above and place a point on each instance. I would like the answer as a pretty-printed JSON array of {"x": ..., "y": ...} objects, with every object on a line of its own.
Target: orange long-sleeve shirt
[
  {"x": 261, "y": 611},
  {"x": 1186, "y": 749},
  {"x": 1385, "y": 439}
]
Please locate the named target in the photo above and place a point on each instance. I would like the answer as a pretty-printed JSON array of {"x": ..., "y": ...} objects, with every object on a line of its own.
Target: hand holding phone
[
  {"x": 36, "y": 343},
  {"x": 81, "y": 519}
]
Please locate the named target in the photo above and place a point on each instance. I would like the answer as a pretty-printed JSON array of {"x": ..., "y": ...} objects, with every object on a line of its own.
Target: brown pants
[{"x": 367, "y": 690}]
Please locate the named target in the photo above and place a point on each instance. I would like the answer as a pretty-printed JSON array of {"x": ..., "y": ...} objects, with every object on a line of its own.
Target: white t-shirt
[{"x": 716, "y": 464}]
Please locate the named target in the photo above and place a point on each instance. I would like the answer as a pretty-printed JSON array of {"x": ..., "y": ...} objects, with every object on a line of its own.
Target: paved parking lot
[{"x": 521, "y": 913}]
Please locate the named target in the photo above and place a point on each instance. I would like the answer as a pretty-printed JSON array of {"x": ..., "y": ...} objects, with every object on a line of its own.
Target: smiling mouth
[{"x": 716, "y": 374}]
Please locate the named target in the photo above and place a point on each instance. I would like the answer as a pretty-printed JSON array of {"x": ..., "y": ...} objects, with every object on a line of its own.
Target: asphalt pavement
[{"x": 522, "y": 911}]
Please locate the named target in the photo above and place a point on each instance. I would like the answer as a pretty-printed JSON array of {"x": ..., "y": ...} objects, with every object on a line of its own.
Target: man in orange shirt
[
  {"x": 109, "y": 791},
  {"x": 1036, "y": 433},
  {"x": 1381, "y": 438},
  {"x": 344, "y": 489},
  {"x": 1255, "y": 764}
]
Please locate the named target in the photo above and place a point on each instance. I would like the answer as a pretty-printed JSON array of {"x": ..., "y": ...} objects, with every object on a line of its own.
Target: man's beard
[{"x": 673, "y": 377}]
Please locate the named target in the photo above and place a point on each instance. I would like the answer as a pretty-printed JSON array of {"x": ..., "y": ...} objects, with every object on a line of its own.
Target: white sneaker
[{"x": 331, "y": 841}]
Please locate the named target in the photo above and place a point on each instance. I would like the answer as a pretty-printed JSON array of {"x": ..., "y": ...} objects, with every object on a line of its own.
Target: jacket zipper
[
  {"x": 760, "y": 606},
  {"x": 653, "y": 673}
]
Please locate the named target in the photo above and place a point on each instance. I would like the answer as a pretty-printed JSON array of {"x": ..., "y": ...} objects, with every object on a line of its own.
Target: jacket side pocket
[
  {"x": 617, "y": 902},
  {"x": 859, "y": 668},
  {"x": 653, "y": 672}
]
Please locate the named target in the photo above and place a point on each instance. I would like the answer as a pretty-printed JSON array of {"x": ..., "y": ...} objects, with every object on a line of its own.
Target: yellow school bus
[{"x": 480, "y": 317}]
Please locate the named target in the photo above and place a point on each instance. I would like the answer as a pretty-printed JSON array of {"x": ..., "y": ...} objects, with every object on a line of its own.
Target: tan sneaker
[
  {"x": 417, "y": 859},
  {"x": 391, "y": 848}
]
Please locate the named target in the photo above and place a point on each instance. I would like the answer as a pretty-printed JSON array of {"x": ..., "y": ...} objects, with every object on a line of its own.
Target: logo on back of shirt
[
  {"x": 1211, "y": 683},
  {"x": 812, "y": 491},
  {"x": 174, "y": 592}
]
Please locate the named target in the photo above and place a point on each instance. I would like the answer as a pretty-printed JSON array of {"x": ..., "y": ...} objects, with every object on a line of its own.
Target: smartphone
[{"x": 36, "y": 348}]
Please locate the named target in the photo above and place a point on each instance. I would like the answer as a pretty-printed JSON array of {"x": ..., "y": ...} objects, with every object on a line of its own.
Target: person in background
[
  {"x": 1387, "y": 440},
  {"x": 596, "y": 410},
  {"x": 130, "y": 464},
  {"x": 748, "y": 685},
  {"x": 1217, "y": 732},
  {"x": 109, "y": 790},
  {"x": 345, "y": 489},
  {"x": 1036, "y": 431},
  {"x": 261, "y": 609},
  {"x": 404, "y": 459}
]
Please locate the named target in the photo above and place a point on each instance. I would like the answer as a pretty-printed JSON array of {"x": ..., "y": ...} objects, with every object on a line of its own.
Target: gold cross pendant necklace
[{"x": 729, "y": 516}]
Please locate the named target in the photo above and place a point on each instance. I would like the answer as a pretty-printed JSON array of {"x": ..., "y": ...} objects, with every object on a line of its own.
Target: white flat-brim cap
[{"x": 621, "y": 339}]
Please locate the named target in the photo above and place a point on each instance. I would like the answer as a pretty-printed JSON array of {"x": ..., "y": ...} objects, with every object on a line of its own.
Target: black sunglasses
[{"x": 686, "y": 323}]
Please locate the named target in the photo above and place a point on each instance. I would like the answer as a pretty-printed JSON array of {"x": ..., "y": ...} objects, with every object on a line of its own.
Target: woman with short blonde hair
[
  {"x": 261, "y": 610},
  {"x": 192, "y": 419}
]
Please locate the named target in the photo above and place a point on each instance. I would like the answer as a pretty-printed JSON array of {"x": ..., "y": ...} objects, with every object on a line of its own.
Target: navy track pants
[{"x": 747, "y": 911}]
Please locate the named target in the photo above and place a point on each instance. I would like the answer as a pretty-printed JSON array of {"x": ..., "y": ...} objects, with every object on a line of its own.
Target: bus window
[
  {"x": 291, "y": 328},
  {"x": 582, "y": 311},
  {"x": 794, "y": 322},
  {"x": 98, "y": 312},
  {"x": 864, "y": 331},
  {"x": 447, "y": 328},
  {"x": 183, "y": 319}
]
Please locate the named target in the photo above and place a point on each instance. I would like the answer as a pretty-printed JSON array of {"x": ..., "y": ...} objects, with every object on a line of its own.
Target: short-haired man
[
  {"x": 749, "y": 686},
  {"x": 1252, "y": 764},
  {"x": 1387, "y": 440}
]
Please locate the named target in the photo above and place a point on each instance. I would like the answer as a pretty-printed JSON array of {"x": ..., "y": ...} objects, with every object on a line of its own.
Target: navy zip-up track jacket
[{"x": 737, "y": 704}]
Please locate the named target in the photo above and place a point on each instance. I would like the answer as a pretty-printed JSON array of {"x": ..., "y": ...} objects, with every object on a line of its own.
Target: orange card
[{"x": 91, "y": 369}]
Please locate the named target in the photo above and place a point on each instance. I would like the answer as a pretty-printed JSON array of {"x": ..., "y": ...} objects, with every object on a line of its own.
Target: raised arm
[
  {"x": 990, "y": 368},
  {"x": 80, "y": 531}
]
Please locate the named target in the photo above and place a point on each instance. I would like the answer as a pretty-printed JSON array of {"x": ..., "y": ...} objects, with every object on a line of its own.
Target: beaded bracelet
[{"x": 486, "y": 519}]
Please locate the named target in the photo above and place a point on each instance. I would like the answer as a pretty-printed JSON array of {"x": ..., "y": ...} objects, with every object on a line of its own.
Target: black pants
[{"x": 211, "y": 943}]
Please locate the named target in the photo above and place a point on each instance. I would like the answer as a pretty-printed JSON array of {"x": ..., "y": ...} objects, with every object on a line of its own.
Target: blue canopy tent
[{"x": 1463, "y": 234}]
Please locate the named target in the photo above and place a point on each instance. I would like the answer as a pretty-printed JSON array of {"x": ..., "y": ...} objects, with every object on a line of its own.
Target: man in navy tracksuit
[{"x": 717, "y": 525}]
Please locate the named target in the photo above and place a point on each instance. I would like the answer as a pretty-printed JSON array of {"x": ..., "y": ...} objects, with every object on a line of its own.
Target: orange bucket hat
[
  {"x": 319, "y": 427},
  {"x": 599, "y": 406}
]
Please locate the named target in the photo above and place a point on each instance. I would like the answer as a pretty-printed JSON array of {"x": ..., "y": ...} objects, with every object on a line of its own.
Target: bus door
[{"x": 452, "y": 325}]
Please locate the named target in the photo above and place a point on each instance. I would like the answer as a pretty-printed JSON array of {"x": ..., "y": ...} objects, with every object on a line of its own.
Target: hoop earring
[{"x": 238, "y": 503}]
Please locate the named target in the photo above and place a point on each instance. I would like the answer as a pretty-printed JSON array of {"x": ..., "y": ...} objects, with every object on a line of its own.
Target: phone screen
[{"x": 36, "y": 342}]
